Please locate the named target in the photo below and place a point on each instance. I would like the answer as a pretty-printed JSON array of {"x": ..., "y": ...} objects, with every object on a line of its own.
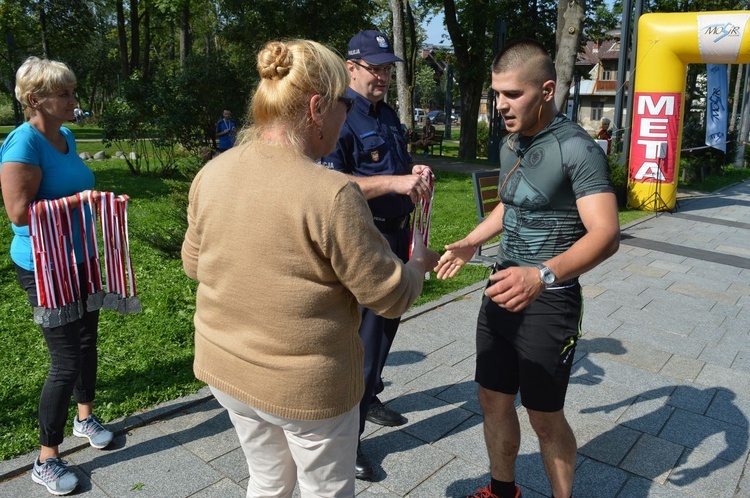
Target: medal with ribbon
[
  {"x": 420, "y": 221},
  {"x": 56, "y": 270}
]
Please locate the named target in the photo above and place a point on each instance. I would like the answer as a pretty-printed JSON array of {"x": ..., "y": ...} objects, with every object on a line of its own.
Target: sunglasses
[
  {"x": 378, "y": 71},
  {"x": 349, "y": 103}
]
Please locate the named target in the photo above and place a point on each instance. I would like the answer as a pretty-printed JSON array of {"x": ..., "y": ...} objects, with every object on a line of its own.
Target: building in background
[{"x": 596, "y": 95}]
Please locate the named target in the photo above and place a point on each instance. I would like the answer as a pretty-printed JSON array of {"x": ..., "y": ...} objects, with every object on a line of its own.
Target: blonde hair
[
  {"x": 41, "y": 77},
  {"x": 291, "y": 73}
]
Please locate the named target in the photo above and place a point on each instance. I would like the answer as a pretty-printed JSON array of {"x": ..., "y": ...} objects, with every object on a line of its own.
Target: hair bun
[{"x": 274, "y": 61}]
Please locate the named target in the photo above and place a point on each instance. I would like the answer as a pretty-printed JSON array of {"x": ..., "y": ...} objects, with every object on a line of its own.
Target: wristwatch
[{"x": 546, "y": 275}]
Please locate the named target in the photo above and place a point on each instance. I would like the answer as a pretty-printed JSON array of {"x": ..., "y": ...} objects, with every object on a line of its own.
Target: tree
[
  {"x": 471, "y": 45},
  {"x": 570, "y": 17}
]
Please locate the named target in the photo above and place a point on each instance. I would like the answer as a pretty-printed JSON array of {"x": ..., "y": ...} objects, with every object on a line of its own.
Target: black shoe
[
  {"x": 362, "y": 468},
  {"x": 379, "y": 414}
]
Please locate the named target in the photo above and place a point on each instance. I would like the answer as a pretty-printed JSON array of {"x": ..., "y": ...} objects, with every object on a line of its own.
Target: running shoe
[
  {"x": 91, "y": 428},
  {"x": 55, "y": 475}
]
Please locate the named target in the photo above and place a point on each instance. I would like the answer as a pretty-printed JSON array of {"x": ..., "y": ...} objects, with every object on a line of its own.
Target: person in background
[
  {"x": 38, "y": 160},
  {"x": 558, "y": 217},
  {"x": 605, "y": 133},
  {"x": 283, "y": 250},
  {"x": 226, "y": 129},
  {"x": 372, "y": 150},
  {"x": 428, "y": 136}
]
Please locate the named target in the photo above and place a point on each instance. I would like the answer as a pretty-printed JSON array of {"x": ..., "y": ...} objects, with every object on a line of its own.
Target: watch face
[{"x": 547, "y": 276}]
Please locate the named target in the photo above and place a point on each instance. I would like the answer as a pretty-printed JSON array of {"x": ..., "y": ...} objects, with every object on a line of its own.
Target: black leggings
[{"x": 73, "y": 361}]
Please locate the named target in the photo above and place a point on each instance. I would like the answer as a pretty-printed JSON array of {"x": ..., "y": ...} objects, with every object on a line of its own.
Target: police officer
[{"x": 373, "y": 150}]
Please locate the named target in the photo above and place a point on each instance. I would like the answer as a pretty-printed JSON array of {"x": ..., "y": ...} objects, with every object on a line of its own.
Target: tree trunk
[
  {"x": 568, "y": 37},
  {"x": 123, "y": 40},
  {"x": 736, "y": 99},
  {"x": 146, "y": 39},
  {"x": 186, "y": 41},
  {"x": 43, "y": 25},
  {"x": 135, "y": 37},
  {"x": 412, "y": 60},
  {"x": 402, "y": 89},
  {"x": 470, "y": 45}
]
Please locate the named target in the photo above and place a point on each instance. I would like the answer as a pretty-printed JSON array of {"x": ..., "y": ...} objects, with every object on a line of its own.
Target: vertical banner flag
[{"x": 716, "y": 106}]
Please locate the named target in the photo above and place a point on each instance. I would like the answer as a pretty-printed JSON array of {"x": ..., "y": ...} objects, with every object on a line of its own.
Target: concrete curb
[{"x": 22, "y": 463}]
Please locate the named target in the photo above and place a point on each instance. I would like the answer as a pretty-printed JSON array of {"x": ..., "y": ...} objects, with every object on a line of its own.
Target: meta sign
[{"x": 656, "y": 124}]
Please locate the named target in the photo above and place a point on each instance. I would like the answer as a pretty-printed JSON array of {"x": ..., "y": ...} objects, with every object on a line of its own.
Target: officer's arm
[{"x": 413, "y": 185}]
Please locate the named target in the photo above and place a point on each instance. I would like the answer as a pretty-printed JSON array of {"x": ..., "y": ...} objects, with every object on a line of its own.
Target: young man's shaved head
[{"x": 529, "y": 55}]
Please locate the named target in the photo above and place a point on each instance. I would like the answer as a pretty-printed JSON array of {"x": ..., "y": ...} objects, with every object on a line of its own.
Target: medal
[{"x": 56, "y": 271}]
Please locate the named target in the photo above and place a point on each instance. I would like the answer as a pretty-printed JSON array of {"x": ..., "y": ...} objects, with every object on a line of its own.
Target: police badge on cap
[{"x": 373, "y": 47}]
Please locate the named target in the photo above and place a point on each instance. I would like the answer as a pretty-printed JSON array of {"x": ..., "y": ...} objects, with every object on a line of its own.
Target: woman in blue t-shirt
[{"x": 38, "y": 160}]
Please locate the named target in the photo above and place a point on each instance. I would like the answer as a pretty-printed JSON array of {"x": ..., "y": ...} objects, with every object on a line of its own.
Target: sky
[{"x": 435, "y": 30}]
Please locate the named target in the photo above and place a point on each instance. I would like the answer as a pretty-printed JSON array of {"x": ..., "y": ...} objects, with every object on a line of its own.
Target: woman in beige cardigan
[{"x": 284, "y": 250}]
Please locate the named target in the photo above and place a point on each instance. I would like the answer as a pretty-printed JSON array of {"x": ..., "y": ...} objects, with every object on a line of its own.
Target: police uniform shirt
[{"x": 372, "y": 143}]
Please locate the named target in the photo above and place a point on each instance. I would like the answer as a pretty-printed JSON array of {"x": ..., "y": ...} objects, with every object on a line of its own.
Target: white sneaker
[
  {"x": 90, "y": 428},
  {"x": 55, "y": 475}
]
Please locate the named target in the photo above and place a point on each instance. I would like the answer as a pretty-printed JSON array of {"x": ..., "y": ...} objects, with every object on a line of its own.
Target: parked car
[
  {"x": 419, "y": 115},
  {"x": 436, "y": 116}
]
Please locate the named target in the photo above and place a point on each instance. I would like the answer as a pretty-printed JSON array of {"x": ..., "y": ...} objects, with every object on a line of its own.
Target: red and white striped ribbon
[
  {"x": 56, "y": 268},
  {"x": 423, "y": 212}
]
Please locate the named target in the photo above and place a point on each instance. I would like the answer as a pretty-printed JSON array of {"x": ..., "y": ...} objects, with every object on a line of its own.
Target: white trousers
[{"x": 317, "y": 454}]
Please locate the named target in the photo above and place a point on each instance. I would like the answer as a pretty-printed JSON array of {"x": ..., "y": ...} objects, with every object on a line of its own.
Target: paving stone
[
  {"x": 667, "y": 338},
  {"x": 652, "y": 457},
  {"x": 464, "y": 394},
  {"x": 707, "y": 435},
  {"x": 429, "y": 418},
  {"x": 151, "y": 461},
  {"x": 610, "y": 447},
  {"x": 681, "y": 368},
  {"x": 437, "y": 380},
  {"x": 206, "y": 430},
  {"x": 703, "y": 474},
  {"x": 224, "y": 488},
  {"x": 727, "y": 407},
  {"x": 638, "y": 487},
  {"x": 467, "y": 442},
  {"x": 407, "y": 461},
  {"x": 232, "y": 464},
  {"x": 719, "y": 376},
  {"x": 647, "y": 415},
  {"x": 456, "y": 478},
  {"x": 595, "y": 480}
]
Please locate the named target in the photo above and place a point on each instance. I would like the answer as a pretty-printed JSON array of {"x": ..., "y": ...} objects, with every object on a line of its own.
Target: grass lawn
[{"x": 146, "y": 358}]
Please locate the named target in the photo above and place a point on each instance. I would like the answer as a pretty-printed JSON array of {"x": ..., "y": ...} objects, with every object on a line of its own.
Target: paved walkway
[{"x": 659, "y": 397}]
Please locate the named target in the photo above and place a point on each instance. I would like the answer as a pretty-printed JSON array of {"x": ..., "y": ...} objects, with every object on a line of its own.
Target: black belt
[
  {"x": 565, "y": 283},
  {"x": 391, "y": 224}
]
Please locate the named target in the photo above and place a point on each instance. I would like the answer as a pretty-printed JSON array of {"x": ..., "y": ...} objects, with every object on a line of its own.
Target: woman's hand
[{"x": 456, "y": 255}]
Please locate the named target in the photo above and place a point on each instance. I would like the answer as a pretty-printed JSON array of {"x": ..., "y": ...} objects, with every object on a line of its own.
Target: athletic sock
[{"x": 503, "y": 489}]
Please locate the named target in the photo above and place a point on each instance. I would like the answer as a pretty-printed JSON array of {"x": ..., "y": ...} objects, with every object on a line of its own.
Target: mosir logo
[
  {"x": 656, "y": 124},
  {"x": 722, "y": 30}
]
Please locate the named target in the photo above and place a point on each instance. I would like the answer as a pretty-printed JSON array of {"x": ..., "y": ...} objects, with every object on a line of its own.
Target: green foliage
[
  {"x": 483, "y": 139},
  {"x": 7, "y": 116}
]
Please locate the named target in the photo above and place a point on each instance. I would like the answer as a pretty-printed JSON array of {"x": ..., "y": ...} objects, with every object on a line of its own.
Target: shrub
[{"x": 483, "y": 139}]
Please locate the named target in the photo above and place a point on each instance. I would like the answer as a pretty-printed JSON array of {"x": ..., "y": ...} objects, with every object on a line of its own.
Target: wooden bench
[
  {"x": 485, "y": 193},
  {"x": 438, "y": 139}
]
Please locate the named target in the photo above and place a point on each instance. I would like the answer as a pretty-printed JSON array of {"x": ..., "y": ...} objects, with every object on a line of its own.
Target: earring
[{"x": 320, "y": 133}]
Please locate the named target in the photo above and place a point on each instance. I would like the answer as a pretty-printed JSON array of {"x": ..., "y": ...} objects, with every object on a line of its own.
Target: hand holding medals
[{"x": 420, "y": 221}]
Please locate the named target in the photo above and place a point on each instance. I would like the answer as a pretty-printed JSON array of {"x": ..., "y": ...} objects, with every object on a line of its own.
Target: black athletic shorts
[{"x": 531, "y": 350}]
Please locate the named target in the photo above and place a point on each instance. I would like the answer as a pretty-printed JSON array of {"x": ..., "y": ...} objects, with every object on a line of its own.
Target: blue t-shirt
[
  {"x": 226, "y": 141},
  {"x": 62, "y": 175},
  {"x": 372, "y": 143}
]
